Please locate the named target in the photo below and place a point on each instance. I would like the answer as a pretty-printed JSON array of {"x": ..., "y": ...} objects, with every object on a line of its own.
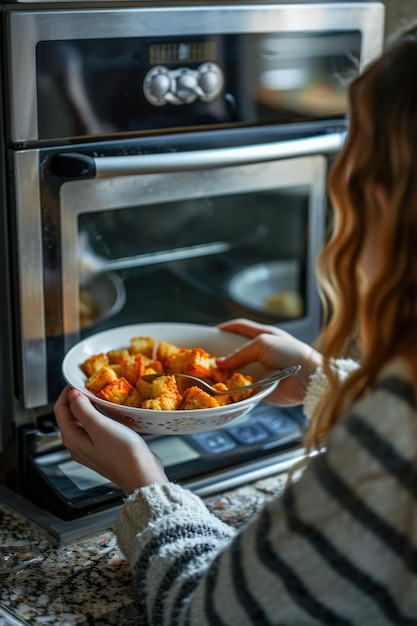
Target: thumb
[
  {"x": 239, "y": 357},
  {"x": 82, "y": 408}
]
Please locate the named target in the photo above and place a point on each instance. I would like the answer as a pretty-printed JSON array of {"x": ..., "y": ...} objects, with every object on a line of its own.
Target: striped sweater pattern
[{"x": 338, "y": 547}]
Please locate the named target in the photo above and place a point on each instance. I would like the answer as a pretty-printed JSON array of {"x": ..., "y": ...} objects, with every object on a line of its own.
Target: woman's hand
[
  {"x": 104, "y": 445},
  {"x": 276, "y": 349}
]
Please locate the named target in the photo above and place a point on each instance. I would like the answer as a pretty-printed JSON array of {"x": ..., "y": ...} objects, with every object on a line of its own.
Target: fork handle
[{"x": 288, "y": 371}]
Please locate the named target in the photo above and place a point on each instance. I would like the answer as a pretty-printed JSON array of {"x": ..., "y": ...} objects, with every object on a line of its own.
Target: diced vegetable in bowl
[{"x": 108, "y": 367}]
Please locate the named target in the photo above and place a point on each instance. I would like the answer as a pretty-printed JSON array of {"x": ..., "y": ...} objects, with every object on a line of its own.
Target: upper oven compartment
[{"x": 114, "y": 72}]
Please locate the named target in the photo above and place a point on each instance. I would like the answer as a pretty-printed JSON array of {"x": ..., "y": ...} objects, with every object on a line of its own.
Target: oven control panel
[
  {"x": 128, "y": 69},
  {"x": 100, "y": 86},
  {"x": 184, "y": 85},
  {"x": 201, "y": 461}
]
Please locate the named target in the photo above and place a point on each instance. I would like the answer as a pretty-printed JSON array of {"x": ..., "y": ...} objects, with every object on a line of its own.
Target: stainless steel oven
[{"x": 164, "y": 163}]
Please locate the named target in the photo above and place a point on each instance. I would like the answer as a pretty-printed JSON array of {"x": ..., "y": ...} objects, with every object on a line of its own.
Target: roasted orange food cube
[
  {"x": 224, "y": 398},
  {"x": 164, "y": 395},
  {"x": 219, "y": 376},
  {"x": 196, "y": 362},
  {"x": 196, "y": 398},
  {"x": 134, "y": 400},
  {"x": 154, "y": 367},
  {"x": 116, "y": 369},
  {"x": 94, "y": 363},
  {"x": 100, "y": 379},
  {"x": 118, "y": 391},
  {"x": 144, "y": 388},
  {"x": 240, "y": 380},
  {"x": 117, "y": 356},
  {"x": 142, "y": 345},
  {"x": 132, "y": 368},
  {"x": 165, "y": 350}
]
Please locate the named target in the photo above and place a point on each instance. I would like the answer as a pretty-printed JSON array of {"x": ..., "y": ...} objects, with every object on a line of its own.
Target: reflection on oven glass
[
  {"x": 307, "y": 75},
  {"x": 102, "y": 297},
  {"x": 269, "y": 287}
]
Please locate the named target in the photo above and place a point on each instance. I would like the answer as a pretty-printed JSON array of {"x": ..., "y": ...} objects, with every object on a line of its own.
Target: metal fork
[{"x": 184, "y": 381}]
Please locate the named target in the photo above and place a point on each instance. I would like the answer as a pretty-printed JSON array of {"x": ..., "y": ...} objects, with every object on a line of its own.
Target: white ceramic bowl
[{"x": 151, "y": 422}]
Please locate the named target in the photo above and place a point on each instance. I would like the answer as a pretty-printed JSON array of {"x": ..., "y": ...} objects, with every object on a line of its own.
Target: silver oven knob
[
  {"x": 187, "y": 88},
  {"x": 157, "y": 85},
  {"x": 211, "y": 81},
  {"x": 183, "y": 85},
  {"x": 160, "y": 84}
]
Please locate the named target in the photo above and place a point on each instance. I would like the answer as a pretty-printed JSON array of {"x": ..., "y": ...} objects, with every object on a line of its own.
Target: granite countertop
[{"x": 89, "y": 581}]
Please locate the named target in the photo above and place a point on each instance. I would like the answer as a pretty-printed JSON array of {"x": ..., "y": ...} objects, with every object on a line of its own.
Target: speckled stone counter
[{"x": 89, "y": 581}]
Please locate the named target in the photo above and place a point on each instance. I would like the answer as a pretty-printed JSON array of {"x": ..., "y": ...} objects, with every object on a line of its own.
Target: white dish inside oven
[{"x": 254, "y": 285}]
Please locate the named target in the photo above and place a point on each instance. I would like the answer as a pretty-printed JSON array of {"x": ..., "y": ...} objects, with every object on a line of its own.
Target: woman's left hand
[
  {"x": 276, "y": 349},
  {"x": 104, "y": 445}
]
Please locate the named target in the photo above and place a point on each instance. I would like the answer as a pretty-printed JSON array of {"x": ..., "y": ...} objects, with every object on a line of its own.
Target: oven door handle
[{"x": 75, "y": 165}]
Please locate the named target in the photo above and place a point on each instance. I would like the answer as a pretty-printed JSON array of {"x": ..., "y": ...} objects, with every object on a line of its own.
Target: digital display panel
[
  {"x": 177, "y": 52},
  {"x": 173, "y": 450},
  {"x": 83, "y": 477}
]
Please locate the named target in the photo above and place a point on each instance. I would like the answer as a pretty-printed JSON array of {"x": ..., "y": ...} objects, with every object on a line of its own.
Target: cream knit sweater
[{"x": 339, "y": 547}]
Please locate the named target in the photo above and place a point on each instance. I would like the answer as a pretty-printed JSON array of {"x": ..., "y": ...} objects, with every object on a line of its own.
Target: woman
[{"x": 340, "y": 545}]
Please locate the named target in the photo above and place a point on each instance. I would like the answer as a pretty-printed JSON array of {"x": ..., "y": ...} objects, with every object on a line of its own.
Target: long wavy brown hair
[{"x": 380, "y": 150}]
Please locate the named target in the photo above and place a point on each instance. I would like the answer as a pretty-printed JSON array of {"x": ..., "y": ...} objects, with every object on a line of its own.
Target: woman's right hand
[
  {"x": 104, "y": 445},
  {"x": 276, "y": 349}
]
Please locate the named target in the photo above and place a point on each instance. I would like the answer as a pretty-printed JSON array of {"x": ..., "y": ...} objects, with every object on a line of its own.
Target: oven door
[{"x": 195, "y": 235}]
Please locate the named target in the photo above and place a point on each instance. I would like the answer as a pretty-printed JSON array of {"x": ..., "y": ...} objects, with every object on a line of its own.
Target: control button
[
  {"x": 157, "y": 84},
  {"x": 215, "y": 442},
  {"x": 160, "y": 84},
  {"x": 249, "y": 433},
  {"x": 279, "y": 424},
  {"x": 211, "y": 81},
  {"x": 187, "y": 87},
  {"x": 208, "y": 82}
]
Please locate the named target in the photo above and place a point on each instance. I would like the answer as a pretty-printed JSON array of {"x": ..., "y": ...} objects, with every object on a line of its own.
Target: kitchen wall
[{"x": 399, "y": 14}]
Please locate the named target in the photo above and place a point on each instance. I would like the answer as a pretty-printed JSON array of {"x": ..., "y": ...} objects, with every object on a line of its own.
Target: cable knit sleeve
[
  {"x": 169, "y": 538},
  {"x": 159, "y": 504},
  {"x": 318, "y": 383}
]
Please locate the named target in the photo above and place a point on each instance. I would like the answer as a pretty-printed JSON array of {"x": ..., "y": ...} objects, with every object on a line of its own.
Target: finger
[
  {"x": 94, "y": 422},
  {"x": 62, "y": 400},
  {"x": 62, "y": 409},
  {"x": 247, "y": 328},
  {"x": 82, "y": 409},
  {"x": 248, "y": 353}
]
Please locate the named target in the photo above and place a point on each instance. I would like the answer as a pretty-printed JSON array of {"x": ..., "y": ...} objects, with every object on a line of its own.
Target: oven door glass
[{"x": 196, "y": 260}]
